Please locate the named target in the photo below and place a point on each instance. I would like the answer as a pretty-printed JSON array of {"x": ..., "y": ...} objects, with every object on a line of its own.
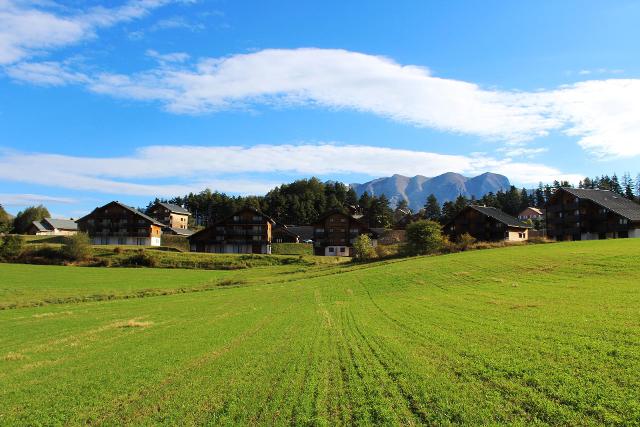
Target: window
[
  {"x": 623, "y": 221},
  {"x": 342, "y": 249},
  {"x": 331, "y": 249},
  {"x": 236, "y": 218},
  {"x": 256, "y": 218},
  {"x": 343, "y": 220}
]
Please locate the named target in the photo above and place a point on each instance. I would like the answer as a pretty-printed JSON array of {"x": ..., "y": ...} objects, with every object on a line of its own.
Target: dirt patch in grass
[
  {"x": 11, "y": 356},
  {"x": 134, "y": 323}
]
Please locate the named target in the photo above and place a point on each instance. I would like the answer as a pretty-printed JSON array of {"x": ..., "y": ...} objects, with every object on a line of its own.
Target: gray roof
[
  {"x": 500, "y": 216},
  {"x": 61, "y": 224},
  {"x": 130, "y": 209},
  {"x": 175, "y": 208},
  {"x": 179, "y": 231},
  {"x": 609, "y": 200},
  {"x": 39, "y": 225},
  {"x": 305, "y": 232}
]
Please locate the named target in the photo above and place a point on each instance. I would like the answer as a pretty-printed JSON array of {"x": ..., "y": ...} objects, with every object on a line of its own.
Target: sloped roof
[
  {"x": 609, "y": 200},
  {"x": 179, "y": 231},
  {"x": 500, "y": 216},
  {"x": 255, "y": 211},
  {"x": 175, "y": 208},
  {"x": 305, "y": 232},
  {"x": 531, "y": 208},
  {"x": 39, "y": 226},
  {"x": 61, "y": 224},
  {"x": 285, "y": 229},
  {"x": 130, "y": 209}
]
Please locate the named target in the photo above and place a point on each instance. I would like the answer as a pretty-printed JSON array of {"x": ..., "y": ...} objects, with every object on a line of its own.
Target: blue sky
[{"x": 130, "y": 100}]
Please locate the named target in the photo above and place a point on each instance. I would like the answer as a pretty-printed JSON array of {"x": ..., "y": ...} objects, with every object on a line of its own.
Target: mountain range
[{"x": 445, "y": 187}]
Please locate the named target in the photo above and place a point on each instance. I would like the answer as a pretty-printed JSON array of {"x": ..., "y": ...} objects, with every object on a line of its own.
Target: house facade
[
  {"x": 173, "y": 216},
  {"x": 53, "y": 227},
  {"x": 118, "y": 224},
  {"x": 247, "y": 231},
  {"x": 282, "y": 234},
  {"x": 486, "y": 224},
  {"x": 585, "y": 214},
  {"x": 335, "y": 232},
  {"x": 531, "y": 213}
]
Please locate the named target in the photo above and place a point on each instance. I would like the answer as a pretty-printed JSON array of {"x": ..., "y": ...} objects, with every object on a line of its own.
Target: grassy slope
[{"x": 544, "y": 334}]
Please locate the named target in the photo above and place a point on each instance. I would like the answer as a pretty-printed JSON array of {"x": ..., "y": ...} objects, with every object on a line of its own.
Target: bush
[
  {"x": 11, "y": 247},
  {"x": 465, "y": 242},
  {"x": 423, "y": 237},
  {"x": 140, "y": 259},
  {"x": 363, "y": 248},
  {"x": 117, "y": 250},
  {"x": 78, "y": 247},
  {"x": 386, "y": 251}
]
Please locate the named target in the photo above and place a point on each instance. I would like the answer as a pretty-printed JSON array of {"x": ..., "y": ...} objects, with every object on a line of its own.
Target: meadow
[{"x": 541, "y": 334}]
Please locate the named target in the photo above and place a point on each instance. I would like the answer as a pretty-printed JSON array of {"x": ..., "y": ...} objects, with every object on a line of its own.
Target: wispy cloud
[
  {"x": 12, "y": 199},
  {"x": 225, "y": 168},
  {"x": 28, "y": 29},
  {"x": 600, "y": 114}
]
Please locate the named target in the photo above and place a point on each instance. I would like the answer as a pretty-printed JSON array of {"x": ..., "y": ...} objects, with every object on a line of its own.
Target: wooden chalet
[
  {"x": 173, "y": 216},
  {"x": 118, "y": 224},
  {"x": 335, "y": 232},
  {"x": 585, "y": 214},
  {"x": 486, "y": 224},
  {"x": 247, "y": 231},
  {"x": 531, "y": 213},
  {"x": 282, "y": 234}
]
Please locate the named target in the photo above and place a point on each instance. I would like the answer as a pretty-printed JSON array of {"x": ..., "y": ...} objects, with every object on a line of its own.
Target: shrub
[
  {"x": 386, "y": 251},
  {"x": 78, "y": 247},
  {"x": 465, "y": 242},
  {"x": 448, "y": 247},
  {"x": 11, "y": 247},
  {"x": 117, "y": 250},
  {"x": 423, "y": 237},
  {"x": 363, "y": 248},
  {"x": 140, "y": 259}
]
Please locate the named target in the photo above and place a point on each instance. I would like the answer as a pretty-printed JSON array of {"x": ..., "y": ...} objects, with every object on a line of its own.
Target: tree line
[{"x": 303, "y": 201}]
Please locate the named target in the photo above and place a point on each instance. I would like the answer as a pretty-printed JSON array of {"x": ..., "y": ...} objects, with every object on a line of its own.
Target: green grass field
[{"x": 542, "y": 334}]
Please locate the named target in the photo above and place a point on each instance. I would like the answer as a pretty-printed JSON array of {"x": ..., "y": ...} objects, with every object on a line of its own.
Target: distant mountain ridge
[{"x": 447, "y": 186}]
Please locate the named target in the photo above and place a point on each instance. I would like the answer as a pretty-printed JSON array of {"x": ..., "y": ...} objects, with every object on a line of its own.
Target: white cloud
[
  {"x": 45, "y": 74},
  {"x": 27, "y": 30},
  {"x": 520, "y": 151},
  {"x": 600, "y": 114},
  {"x": 11, "y": 199},
  {"x": 193, "y": 168},
  {"x": 167, "y": 57}
]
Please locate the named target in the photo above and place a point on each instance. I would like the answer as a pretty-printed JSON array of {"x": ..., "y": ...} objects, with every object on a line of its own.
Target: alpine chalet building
[
  {"x": 487, "y": 224},
  {"x": 118, "y": 224},
  {"x": 335, "y": 232},
  {"x": 585, "y": 214},
  {"x": 247, "y": 231}
]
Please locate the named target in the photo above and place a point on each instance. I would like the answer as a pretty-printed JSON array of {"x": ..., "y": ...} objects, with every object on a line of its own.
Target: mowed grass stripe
[{"x": 542, "y": 334}]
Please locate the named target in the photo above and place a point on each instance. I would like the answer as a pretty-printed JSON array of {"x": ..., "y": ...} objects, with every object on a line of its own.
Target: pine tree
[{"x": 432, "y": 209}]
